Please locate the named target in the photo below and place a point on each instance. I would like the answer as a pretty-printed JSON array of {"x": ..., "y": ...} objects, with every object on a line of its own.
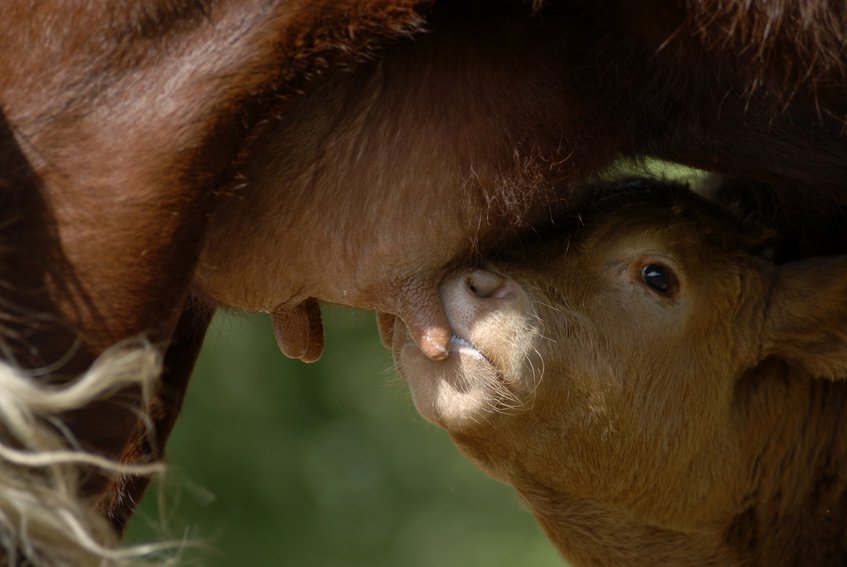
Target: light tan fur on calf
[{"x": 655, "y": 392}]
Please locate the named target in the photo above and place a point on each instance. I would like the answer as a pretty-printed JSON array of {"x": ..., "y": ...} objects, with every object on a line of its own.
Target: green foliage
[
  {"x": 275, "y": 462},
  {"x": 650, "y": 167}
]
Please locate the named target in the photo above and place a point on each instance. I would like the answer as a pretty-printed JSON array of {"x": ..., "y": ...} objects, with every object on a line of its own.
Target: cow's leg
[
  {"x": 67, "y": 293},
  {"x": 120, "y": 130},
  {"x": 150, "y": 438},
  {"x": 89, "y": 266},
  {"x": 33, "y": 333}
]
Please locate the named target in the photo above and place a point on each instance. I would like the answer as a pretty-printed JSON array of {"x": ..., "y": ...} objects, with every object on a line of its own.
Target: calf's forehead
[
  {"x": 692, "y": 234},
  {"x": 671, "y": 227}
]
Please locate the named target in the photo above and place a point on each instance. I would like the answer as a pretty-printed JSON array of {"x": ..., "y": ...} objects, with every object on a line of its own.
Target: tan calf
[{"x": 656, "y": 393}]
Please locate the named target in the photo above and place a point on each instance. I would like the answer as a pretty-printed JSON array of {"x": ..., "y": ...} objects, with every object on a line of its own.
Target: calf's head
[{"x": 605, "y": 364}]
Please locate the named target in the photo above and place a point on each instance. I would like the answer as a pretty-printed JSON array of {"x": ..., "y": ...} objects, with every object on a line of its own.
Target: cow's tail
[{"x": 44, "y": 519}]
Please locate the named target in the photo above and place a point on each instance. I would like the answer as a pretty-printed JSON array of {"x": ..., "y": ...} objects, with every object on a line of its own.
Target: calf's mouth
[
  {"x": 462, "y": 345},
  {"x": 486, "y": 312}
]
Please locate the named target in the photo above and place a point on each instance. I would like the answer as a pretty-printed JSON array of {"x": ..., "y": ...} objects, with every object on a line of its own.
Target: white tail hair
[{"x": 44, "y": 518}]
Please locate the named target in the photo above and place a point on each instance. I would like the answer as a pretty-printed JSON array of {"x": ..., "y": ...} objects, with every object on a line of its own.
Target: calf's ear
[{"x": 806, "y": 318}]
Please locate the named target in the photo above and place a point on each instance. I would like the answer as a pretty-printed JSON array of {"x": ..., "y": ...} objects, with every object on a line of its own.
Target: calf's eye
[{"x": 658, "y": 277}]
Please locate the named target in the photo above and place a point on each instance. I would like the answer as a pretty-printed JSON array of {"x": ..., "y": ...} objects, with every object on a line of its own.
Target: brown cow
[
  {"x": 302, "y": 150},
  {"x": 657, "y": 394}
]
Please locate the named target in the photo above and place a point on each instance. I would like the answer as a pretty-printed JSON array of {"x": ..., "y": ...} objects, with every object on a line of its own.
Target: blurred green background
[{"x": 275, "y": 462}]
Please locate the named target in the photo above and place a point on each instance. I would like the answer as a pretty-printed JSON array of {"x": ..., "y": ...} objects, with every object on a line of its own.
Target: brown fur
[
  {"x": 350, "y": 150},
  {"x": 698, "y": 426},
  {"x": 122, "y": 121}
]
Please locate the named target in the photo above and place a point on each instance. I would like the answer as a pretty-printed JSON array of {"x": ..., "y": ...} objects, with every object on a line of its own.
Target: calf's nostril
[{"x": 487, "y": 285}]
